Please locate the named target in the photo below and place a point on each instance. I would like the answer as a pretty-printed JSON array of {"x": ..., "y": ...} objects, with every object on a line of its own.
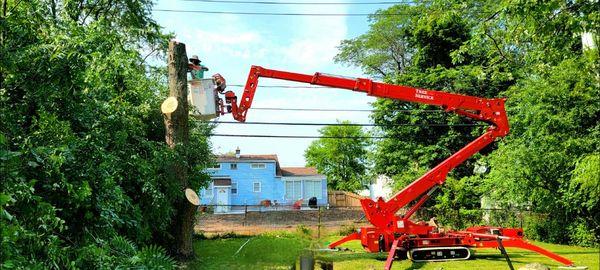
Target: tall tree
[
  {"x": 177, "y": 137},
  {"x": 343, "y": 161},
  {"x": 529, "y": 52},
  {"x": 383, "y": 51},
  {"x": 432, "y": 43},
  {"x": 83, "y": 160}
]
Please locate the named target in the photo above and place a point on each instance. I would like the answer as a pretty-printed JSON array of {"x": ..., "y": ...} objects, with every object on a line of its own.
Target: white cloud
[
  {"x": 233, "y": 44},
  {"x": 317, "y": 38}
]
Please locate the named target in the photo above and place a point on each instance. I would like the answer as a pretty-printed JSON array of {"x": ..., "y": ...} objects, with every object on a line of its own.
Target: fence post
[
  {"x": 319, "y": 225},
  {"x": 521, "y": 215},
  {"x": 245, "y": 213}
]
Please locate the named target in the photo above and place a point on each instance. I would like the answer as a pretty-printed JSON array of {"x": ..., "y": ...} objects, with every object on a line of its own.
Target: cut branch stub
[
  {"x": 169, "y": 105},
  {"x": 192, "y": 197}
]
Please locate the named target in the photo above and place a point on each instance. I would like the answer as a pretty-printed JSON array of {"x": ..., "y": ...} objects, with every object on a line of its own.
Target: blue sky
[{"x": 230, "y": 44}]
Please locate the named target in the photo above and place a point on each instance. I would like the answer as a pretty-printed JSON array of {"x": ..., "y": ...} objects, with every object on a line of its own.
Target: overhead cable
[
  {"x": 300, "y": 136},
  {"x": 281, "y": 14},
  {"x": 310, "y": 110},
  {"x": 302, "y": 3},
  {"x": 338, "y": 110},
  {"x": 348, "y": 124},
  {"x": 282, "y": 86}
]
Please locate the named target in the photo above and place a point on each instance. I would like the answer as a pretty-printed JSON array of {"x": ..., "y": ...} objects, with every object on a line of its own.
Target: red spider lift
[{"x": 398, "y": 235}]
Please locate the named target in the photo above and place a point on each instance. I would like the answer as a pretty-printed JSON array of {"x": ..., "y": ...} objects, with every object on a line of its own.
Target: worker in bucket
[{"x": 196, "y": 69}]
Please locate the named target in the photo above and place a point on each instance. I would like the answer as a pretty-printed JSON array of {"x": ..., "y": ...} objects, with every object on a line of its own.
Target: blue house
[{"x": 239, "y": 180}]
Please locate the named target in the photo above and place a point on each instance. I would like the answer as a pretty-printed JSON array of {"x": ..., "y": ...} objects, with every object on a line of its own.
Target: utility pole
[{"x": 177, "y": 137}]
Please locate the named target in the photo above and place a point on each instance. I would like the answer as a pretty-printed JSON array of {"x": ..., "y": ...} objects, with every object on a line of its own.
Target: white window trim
[
  {"x": 234, "y": 185},
  {"x": 258, "y": 166},
  {"x": 216, "y": 167},
  {"x": 319, "y": 185},
  {"x": 259, "y": 187},
  {"x": 231, "y": 165},
  {"x": 285, "y": 193}
]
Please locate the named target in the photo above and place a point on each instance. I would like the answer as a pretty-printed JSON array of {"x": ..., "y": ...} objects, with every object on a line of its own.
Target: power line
[
  {"x": 348, "y": 124},
  {"x": 339, "y": 110},
  {"x": 282, "y": 86},
  {"x": 310, "y": 110},
  {"x": 300, "y": 136},
  {"x": 281, "y": 14},
  {"x": 302, "y": 3}
]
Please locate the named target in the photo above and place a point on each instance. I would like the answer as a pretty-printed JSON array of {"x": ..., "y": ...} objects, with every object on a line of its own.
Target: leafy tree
[
  {"x": 548, "y": 159},
  {"x": 343, "y": 161},
  {"x": 528, "y": 51},
  {"x": 383, "y": 51},
  {"x": 432, "y": 43},
  {"x": 83, "y": 158}
]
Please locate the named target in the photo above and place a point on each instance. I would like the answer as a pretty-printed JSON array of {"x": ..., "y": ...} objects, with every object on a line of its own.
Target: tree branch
[
  {"x": 492, "y": 16},
  {"x": 91, "y": 9},
  {"x": 147, "y": 55},
  {"x": 11, "y": 9},
  {"x": 497, "y": 47},
  {"x": 378, "y": 70}
]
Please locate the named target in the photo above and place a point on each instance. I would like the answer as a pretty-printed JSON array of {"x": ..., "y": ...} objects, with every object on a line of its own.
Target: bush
[
  {"x": 582, "y": 235},
  {"x": 121, "y": 253},
  {"x": 82, "y": 152},
  {"x": 347, "y": 229},
  {"x": 303, "y": 230}
]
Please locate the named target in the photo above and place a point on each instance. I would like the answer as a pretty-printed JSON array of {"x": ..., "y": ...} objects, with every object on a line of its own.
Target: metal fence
[{"x": 255, "y": 219}]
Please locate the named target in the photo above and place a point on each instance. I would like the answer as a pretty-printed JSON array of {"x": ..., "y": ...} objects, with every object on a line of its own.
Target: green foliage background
[
  {"x": 343, "y": 161},
  {"x": 83, "y": 159},
  {"x": 528, "y": 51}
]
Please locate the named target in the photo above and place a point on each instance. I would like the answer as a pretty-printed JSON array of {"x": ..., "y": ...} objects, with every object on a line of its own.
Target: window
[
  {"x": 258, "y": 165},
  {"x": 312, "y": 188},
  {"x": 209, "y": 190},
  {"x": 293, "y": 190},
  {"x": 233, "y": 188},
  {"x": 216, "y": 166},
  {"x": 233, "y": 166},
  {"x": 256, "y": 187}
]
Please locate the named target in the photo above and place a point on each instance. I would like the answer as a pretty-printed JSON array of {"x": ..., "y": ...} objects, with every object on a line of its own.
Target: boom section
[
  {"x": 484, "y": 109},
  {"x": 380, "y": 213}
]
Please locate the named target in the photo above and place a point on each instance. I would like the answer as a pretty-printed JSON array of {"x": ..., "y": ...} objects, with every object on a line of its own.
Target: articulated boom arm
[{"x": 380, "y": 213}]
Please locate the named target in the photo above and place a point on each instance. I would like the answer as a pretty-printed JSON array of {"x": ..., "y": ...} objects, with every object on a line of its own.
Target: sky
[{"x": 230, "y": 44}]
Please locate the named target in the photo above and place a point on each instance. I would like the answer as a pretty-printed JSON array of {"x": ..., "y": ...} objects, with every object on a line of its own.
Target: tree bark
[
  {"x": 177, "y": 137},
  {"x": 2, "y": 36}
]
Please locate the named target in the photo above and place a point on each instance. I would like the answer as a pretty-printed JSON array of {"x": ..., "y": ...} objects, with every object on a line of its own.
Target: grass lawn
[
  {"x": 488, "y": 259},
  {"x": 266, "y": 251},
  {"x": 280, "y": 251}
]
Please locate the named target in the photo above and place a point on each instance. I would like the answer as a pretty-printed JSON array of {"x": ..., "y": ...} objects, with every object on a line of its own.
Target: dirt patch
[{"x": 259, "y": 222}]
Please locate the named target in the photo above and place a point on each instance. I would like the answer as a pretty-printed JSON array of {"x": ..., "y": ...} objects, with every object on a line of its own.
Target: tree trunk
[
  {"x": 2, "y": 36},
  {"x": 177, "y": 137}
]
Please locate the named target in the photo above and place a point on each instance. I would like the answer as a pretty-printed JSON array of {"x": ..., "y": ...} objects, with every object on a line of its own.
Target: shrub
[
  {"x": 303, "y": 230},
  {"x": 582, "y": 235},
  {"x": 346, "y": 229}
]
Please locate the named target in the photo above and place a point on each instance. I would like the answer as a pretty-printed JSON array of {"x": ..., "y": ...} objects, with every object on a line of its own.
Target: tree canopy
[
  {"x": 85, "y": 178},
  {"x": 343, "y": 161},
  {"x": 528, "y": 51}
]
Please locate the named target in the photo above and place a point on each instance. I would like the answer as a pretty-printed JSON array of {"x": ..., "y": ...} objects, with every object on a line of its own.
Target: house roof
[
  {"x": 247, "y": 158},
  {"x": 299, "y": 171},
  {"x": 230, "y": 158}
]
